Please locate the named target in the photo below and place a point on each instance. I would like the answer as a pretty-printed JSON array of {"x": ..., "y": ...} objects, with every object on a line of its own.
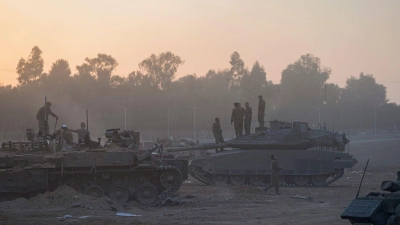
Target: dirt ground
[{"x": 220, "y": 205}]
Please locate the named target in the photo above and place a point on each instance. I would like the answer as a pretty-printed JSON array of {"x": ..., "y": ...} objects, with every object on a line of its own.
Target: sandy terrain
[{"x": 220, "y": 205}]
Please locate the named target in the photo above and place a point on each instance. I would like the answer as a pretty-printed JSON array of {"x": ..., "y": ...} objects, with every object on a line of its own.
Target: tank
[
  {"x": 376, "y": 208},
  {"x": 119, "y": 173},
  {"x": 309, "y": 157}
]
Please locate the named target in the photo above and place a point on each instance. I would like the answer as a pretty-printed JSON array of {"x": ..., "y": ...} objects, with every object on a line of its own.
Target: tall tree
[
  {"x": 364, "y": 90},
  {"x": 60, "y": 69},
  {"x": 161, "y": 68},
  {"x": 100, "y": 67},
  {"x": 255, "y": 80},
  {"x": 237, "y": 69},
  {"x": 303, "y": 80},
  {"x": 32, "y": 68}
]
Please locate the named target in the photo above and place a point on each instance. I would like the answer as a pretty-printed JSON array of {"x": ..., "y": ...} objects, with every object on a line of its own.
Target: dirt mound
[{"x": 62, "y": 198}]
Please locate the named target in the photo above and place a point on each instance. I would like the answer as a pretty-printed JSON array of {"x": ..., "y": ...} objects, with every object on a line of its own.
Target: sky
[{"x": 349, "y": 37}]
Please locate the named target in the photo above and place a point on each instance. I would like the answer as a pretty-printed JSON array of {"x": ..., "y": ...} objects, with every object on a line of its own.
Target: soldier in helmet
[
  {"x": 81, "y": 132},
  {"x": 261, "y": 111},
  {"x": 237, "y": 119},
  {"x": 64, "y": 134},
  {"x": 274, "y": 175},
  {"x": 42, "y": 115},
  {"x": 247, "y": 118},
  {"x": 217, "y": 131}
]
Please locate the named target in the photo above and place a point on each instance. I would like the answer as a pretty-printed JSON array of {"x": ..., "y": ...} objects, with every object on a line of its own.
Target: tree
[
  {"x": 255, "y": 80},
  {"x": 161, "y": 68},
  {"x": 237, "y": 69},
  {"x": 32, "y": 68},
  {"x": 303, "y": 80},
  {"x": 60, "y": 70},
  {"x": 100, "y": 67},
  {"x": 364, "y": 90}
]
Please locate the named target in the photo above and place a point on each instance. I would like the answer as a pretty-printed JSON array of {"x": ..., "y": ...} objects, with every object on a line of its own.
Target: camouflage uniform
[
  {"x": 81, "y": 134},
  {"x": 274, "y": 176},
  {"x": 65, "y": 135},
  {"x": 261, "y": 111},
  {"x": 42, "y": 115},
  {"x": 247, "y": 119},
  {"x": 217, "y": 131},
  {"x": 237, "y": 119}
]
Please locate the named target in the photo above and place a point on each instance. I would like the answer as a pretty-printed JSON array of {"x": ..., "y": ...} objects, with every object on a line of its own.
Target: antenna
[
  {"x": 348, "y": 144},
  {"x": 87, "y": 121},
  {"x": 365, "y": 169}
]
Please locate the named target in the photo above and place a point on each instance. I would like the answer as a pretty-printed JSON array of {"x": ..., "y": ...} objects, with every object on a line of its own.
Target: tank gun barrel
[{"x": 198, "y": 147}]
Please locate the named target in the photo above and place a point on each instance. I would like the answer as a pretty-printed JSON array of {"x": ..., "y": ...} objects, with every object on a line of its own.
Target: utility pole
[
  {"x": 319, "y": 115},
  {"x": 194, "y": 123}
]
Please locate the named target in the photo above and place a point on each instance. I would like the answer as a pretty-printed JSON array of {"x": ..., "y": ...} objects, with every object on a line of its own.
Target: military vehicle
[
  {"x": 376, "y": 208},
  {"x": 120, "y": 173},
  {"x": 309, "y": 157}
]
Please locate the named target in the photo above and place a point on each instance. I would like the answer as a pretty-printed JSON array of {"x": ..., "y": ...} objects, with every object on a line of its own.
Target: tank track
[
  {"x": 204, "y": 178},
  {"x": 168, "y": 192},
  {"x": 163, "y": 195},
  {"x": 200, "y": 177},
  {"x": 336, "y": 177}
]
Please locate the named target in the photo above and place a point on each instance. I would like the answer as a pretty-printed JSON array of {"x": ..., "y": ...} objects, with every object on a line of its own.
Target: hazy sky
[{"x": 350, "y": 36}]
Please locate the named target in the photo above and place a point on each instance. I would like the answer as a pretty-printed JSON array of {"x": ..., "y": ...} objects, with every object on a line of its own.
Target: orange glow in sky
[{"x": 349, "y": 36}]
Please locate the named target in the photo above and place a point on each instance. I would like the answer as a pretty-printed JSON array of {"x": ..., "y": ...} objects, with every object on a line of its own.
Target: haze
[{"x": 349, "y": 36}]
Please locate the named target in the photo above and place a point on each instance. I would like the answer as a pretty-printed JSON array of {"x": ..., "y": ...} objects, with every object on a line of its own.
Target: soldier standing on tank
[
  {"x": 247, "y": 118},
  {"x": 42, "y": 115},
  {"x": 261, "y": 111},
  {"x": 217, "y": 131},
  {"x": 81, "y": 132},
  {"x": 64, "y": 134},
  {"x": 237, "y": 119},
  {"x": 274, "y": 175}
]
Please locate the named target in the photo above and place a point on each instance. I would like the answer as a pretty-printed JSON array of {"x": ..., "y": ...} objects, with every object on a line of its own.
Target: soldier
[
  {"x": 237, "y": 119},
  {"x": 247, "y": 118},
  {"x": 42, "y": 115},
  {"x": 81, "y": 132},
  {"x": 261, "y": 111},
  {"x": 64, "y": 134},
  {"x": 217, "y": 131},
  {"x": 274, "y": 175}
]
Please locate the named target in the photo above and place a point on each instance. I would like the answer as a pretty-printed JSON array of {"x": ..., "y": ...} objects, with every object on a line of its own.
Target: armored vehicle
[
  {"x": 376, "y": 208},
  {"x": 309, "y": 157},
  {"x": 120, "y": 173}
]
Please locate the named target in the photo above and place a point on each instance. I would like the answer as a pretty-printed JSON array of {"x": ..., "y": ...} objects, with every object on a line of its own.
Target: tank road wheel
[
  {"x": 301, "y": 180},
  {"x": 237, "y": 180},
  {"x": 256, "y": 180},
  {"x": 318, "y": 180},
  {"x": 94, "y": 191},
  {"x": 170, "y": 179},
  {"x": 118, "y": 193},
  {"x": 220, "y": 179},
  {"x": 146, "y": 194}
]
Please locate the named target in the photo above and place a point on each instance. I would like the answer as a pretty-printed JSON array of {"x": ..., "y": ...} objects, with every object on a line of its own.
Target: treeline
[{"x": 156, "y": 101}]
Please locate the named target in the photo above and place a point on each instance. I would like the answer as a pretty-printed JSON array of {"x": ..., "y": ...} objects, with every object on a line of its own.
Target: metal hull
[{"x": 310, "y": 165}]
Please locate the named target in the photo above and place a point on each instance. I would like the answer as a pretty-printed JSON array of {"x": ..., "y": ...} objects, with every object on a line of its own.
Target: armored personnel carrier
[
  {"x": 309, "y": 157},
  {"x": 376, "y": 208},
  {"x": 120, "y": 173}
]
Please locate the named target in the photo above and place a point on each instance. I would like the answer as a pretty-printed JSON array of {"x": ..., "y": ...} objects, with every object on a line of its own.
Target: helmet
[{"x": 64, "y": 126}]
